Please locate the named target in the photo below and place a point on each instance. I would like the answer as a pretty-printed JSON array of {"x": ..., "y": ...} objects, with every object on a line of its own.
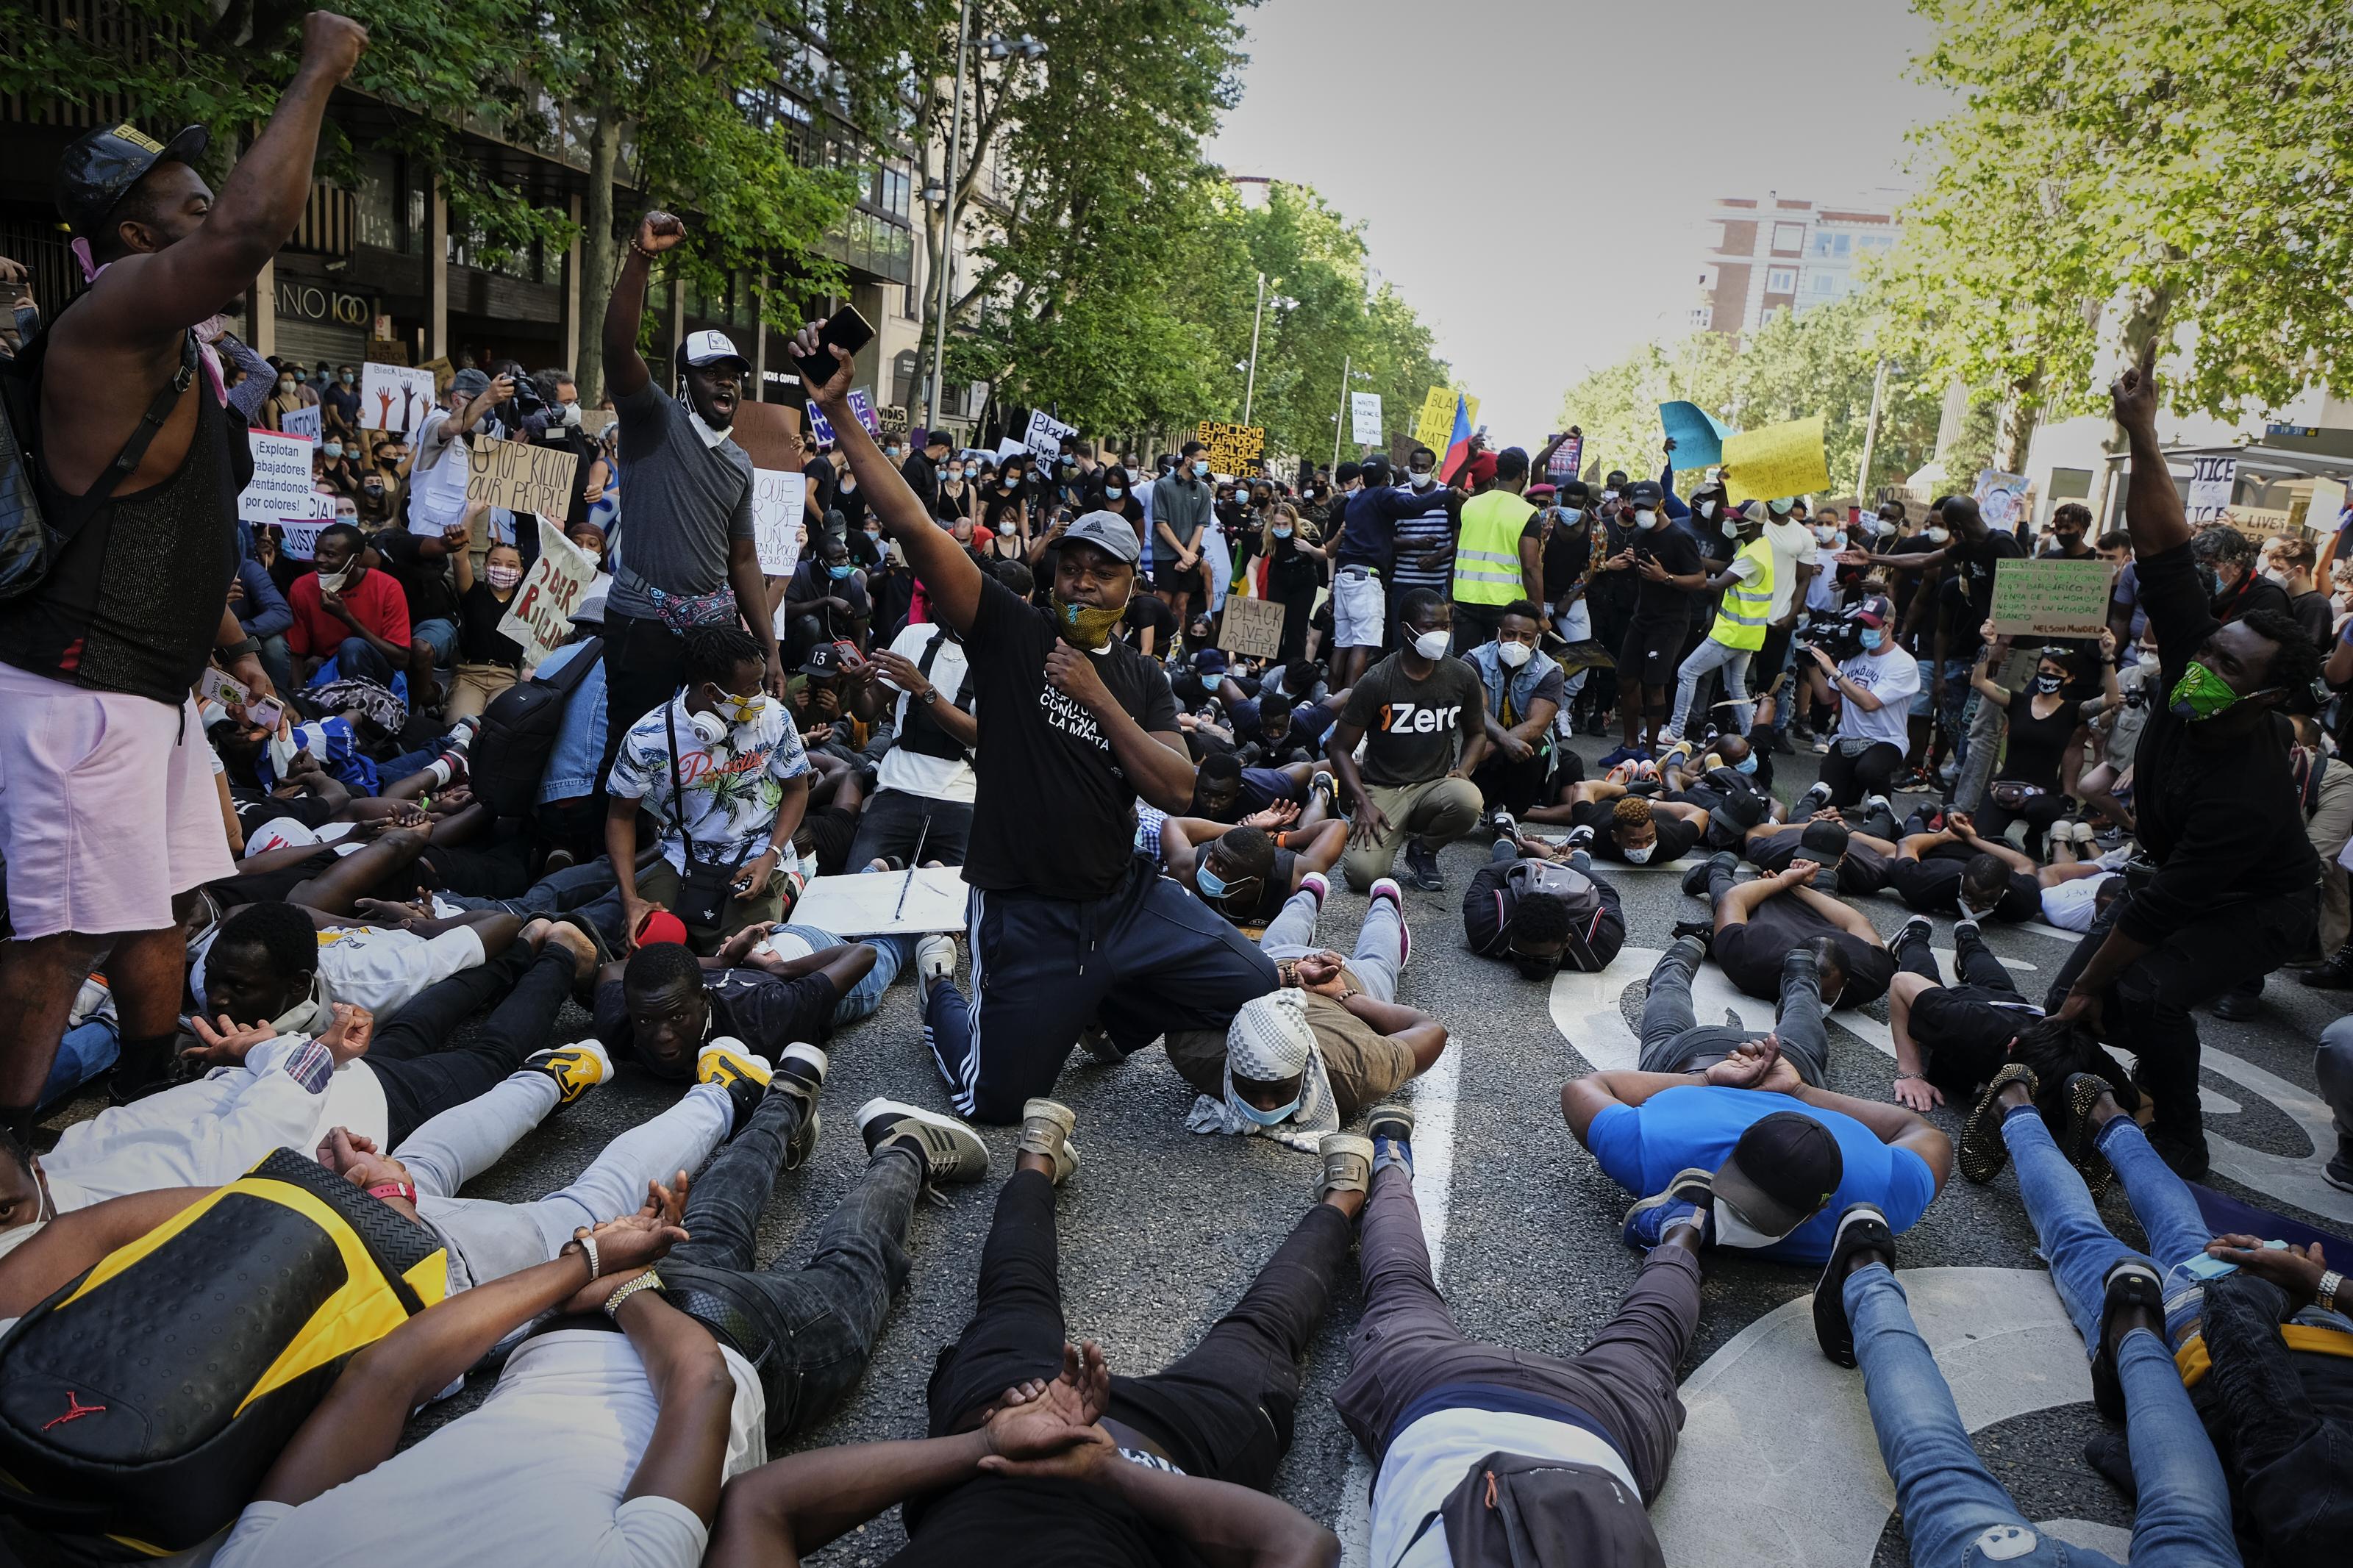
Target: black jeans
[
  {"x": 423, "y": 1074},
  {"x": 808, "y": 1331},
  {"x": 645, "y": 662},
  {"x": 1980, "y": 969},
  {"x": 892, "y": 825},
  {"x": 2038, "y": 812},
  {"x": 1514, "y": 786},
  {"x": 1223, "y": 1410},
  {"x": 1869, "y": 771}
]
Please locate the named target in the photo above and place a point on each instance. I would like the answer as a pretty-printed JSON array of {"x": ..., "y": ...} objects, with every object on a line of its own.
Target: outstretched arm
[
  {"x": 626, "y": 370},
  {"x": 1892, "y": 1125},
  {"x": 2153, "y": 511}
]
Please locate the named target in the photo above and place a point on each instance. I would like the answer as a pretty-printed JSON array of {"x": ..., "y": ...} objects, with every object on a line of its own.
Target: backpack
[
  {"x": 1574, "y": 889},
  {"x": 1512, "y": 1512},
  {"x": 518, "y": 735},
  {"x": 142, "y": 1403}
]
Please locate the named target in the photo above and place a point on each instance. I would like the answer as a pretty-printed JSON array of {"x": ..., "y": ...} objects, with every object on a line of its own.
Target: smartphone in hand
[{"x": 845, "y": 329}]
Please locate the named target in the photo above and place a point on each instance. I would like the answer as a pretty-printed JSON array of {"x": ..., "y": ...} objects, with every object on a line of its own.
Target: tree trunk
[
  {"x": 2018, "y": 419},
  {"x": 599, "y": 257}
]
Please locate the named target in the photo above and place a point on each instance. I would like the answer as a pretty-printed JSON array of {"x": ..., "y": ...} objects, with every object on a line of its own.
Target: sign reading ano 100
[{"x": 310, "y": 302}]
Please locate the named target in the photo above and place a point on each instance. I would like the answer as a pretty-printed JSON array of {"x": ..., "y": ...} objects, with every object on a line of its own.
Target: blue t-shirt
[{"x": 1640, "y": 1148}]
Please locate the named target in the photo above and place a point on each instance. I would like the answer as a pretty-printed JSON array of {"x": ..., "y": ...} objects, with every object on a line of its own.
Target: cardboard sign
[
  {"x": 539, "y": 617},
  {"x": 2325, "y": 507},
  {"x": 307, "y": 423},
  {"x": 521, "y": 477},
  {"x": 770, "y": 434},
  {"x": 1232, "y": 448},
  {"x": 394, "y": 397},
  {"x": 1364, "y": 418},
  {"x": 299, "y": 539},
  {"x": 1698, "y": 435},
  {"x": 1566, "y": 458},
  {"x": 1253, "y": 627},
  {"x": 281, "y": 481},
  {"x": 2211, "y": 480},
  {"x": 1778, "y": 460},
  {"x": 1435, "y": 427},
  {"x": 2049, "y": 598},
  {"x": 1999, "y": 497},
  {"x": 779, "y": 499},
  {"x": 1045, "y": 434}
]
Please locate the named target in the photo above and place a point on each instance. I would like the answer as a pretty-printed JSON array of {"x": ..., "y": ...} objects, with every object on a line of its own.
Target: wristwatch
[
  {"x": 2324, "y": 1295},
  {"x": 928, "y": 696},
  {"x": 240, "y": 647}
]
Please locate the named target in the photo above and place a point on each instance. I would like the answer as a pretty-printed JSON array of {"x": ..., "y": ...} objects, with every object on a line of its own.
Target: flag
[{"x": 1458, "y": 445}]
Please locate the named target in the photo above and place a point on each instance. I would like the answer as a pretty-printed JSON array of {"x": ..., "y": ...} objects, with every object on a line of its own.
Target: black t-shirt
[
  {"x": 2314, "y": 613},
  {"x": 1973, "y": 569},
  {"x": 425, "y": 584},
  {"x": 1413, "y": 728},
  {"x": 1752, "y": 959},
  {"x": 1037, "y": 1523},
  {"x": 1677, "y": 552},
  {"x": 2037, "y": 743},
  {"x": 1964, "y": 1031},
  {"x": 1676, "y": 836},
  {"x": 763, "y": 1012},
  {"x": 1567, "y": 552},
  {"x": 480, "y": 641},
  {"x": 1040, "y": 751},
  {"x": 1862, "y": 869},
  {"x": 1905, "y": 585},
  {"x": 1932, "y": 885},
  {"x": 1146, "y": 611}
]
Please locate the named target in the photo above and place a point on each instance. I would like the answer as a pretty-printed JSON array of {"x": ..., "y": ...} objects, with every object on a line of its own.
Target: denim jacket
[{"x": 1524, "y": 680}]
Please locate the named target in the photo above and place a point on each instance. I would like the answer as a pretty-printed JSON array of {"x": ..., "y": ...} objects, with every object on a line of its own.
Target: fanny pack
[
  {"x": 682, "y": 612},
  {"x": 2009, "y": 795},
  {"x": 703, "y": 887}
]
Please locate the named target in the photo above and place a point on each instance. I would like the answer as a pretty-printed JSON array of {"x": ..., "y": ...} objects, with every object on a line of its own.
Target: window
[
  {"x": 1781, "y": 280},
  {"x": 1825, "y": 284},
  {"x": 1788, "y": 238}
]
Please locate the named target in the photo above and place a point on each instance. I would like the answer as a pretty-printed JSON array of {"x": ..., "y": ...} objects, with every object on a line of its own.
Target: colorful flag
[{"x": 1458, "y": 445}]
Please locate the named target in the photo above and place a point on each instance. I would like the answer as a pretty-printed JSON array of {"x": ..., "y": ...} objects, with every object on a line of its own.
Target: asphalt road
[{"x": 1162, "y": 1229}]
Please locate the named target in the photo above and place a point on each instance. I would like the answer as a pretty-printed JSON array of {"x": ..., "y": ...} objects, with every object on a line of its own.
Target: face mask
[
  {"x": 1089, "y": 627},
  {"x": 1825, "y": 536},
  {"x": 1707, "y": 509},
  {"x": 847, "y": 485},
  {"x": 332, "y": 582},
  {"x": 1515, "y": 654},
  {"x": 1213, "y": 886},
  {"x": 285, "y": 389},
  {"x": 1113, "y": 491},
  {"x": 1937, "y": 535},
  {"x": 1640, "y": 856},
  {"x": 571, "y": 415},
  {"x": 1747, "y": 764},
  {"x": 1645, "y": 519},
  {"x": 2278, "y": 576},
  {"x": 1535, "y": 968},
  {"x": 1432, "y": 646},
  {"x": 502, "y": 577},
  {"x": 1609, "y": 495},
  {"x": 1282, "y": 534},
  {"x": 2047, "y": 684},
  {"x": 1871, "y": 639},
  {"x": 956, "y": 473},
  {"x": 1005, "y": 485},
  {"x": 742, "y": 710},
  {"x": 1422, "y": 478},
  {"x": 1201, "y": 468},
  {"x": 332, "y": 448},
  {"x": 349, "y": 378},
  {"x": 1274, "y": 1118},
  {"x": 1778, "y": 508},
  {"x": 840, "y": 573},
  {"x": 2202, "y": 694},
  {"x": 375, "y": 488}
]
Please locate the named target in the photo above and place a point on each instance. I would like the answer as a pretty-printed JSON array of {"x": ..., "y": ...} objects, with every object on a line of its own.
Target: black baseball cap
[
  {"x": 1642, "y": 490},
  {"x": 1825, "y": 838},
  {"x": 100, "y": 168},
  {"x": 1782, "y": 1172},
  {"x": 823, "y": 660}
]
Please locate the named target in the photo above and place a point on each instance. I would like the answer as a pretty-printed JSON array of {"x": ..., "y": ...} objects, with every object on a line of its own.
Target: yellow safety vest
[
  {"x": 1740, "y": 618},
  {"x": 1487, "y": 552}
]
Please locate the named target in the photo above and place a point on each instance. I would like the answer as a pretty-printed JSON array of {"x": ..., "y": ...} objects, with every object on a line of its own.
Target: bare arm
[
  {"x": 70, "y": 1244},
  {"x": 1838, "y": 912},
  {"x": 2153, "y": 511},
  {"x": 1966, "y": 831},
  {"x": 626, "y": 370},
  {"x": 751, "y": 589},
  {"x": 1892, "y": 1125},
  {"x": 773, "y": 1516},
  {"x": 695, "y": 1395}
]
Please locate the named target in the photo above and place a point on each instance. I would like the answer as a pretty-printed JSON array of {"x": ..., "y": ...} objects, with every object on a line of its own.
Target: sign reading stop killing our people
[
  {"x": 1232, "y": 448},
  {"x": 521, "y": 477},
  {"x": 2049, "y": 598},
  {"x": 540, "y": 614}
]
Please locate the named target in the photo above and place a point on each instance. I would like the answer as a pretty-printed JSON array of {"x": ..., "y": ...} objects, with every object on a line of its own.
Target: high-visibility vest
[
  {"x": 1487, "y": 552},
  {"x": 1740, "y": 618}
]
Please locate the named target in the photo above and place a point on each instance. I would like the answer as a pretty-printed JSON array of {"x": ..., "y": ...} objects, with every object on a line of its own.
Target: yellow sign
[
  {"x": 1232, "y": 448},
  {"x": 1434, "y": 427},
  {"x": 1778, "y": 460}
]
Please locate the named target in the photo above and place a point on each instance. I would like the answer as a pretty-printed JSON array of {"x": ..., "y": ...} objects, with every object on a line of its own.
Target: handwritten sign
[
  {"x": 394, "y": 397},
  {"x": 1364, "y": 418},
  {"x": 1778, "y": 460},
  {"x": 770, "y": 434},
  {"x": 779, "y": 499},
  {"x": 1253, "y": 629},
  {"x": 281, "y": 481},
  {"x": 2049, "y": 598},
  {"x": 539, "y": 617},
  {"x": 304, "y": 422},
  {"x": 2211, "y": 480},
  {"x": 1045, "y": 434},
  {"x": 1435, "y": 426},
  {"x": 1232, "y": 448},
  {"x": 521, "y": 477},
  {"x": 1998, "y": 495}
]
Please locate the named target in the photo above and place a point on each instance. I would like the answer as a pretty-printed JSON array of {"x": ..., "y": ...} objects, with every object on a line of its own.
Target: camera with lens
[{"x": 1838, "y": 637}]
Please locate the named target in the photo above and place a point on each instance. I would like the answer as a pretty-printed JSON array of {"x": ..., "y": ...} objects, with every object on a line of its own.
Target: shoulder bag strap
[
  {"x": 677, "y": 789},
  {"x": 149, "y": 424}
]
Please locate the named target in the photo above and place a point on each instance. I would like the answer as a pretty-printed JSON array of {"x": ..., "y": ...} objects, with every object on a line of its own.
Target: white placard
[
  {"x": 540, "y": 614},
  {"x": 281, "y": 481},
  {"x": 1364, "y": 418},
  {"x": 863, "y": 904},
  {"x": 304, "y": 422},
  {"x": 2211, "y": 480},
  {"x": 394, "y": 397},
  {"x": 779, "y": 502},
  {"x": 302, "y": 541},
  {"x": 1046, "y": 433},
  {"x": 1009, "y": 449}
]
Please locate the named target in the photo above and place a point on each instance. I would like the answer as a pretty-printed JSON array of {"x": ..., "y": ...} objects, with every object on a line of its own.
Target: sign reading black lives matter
[
  {"x": 1253, "y": 629},
  {"x": 521, "y": 477},
  {"x": 1233, "y": 448}
]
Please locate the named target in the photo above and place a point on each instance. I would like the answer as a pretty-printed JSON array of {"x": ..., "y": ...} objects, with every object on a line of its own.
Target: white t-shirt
[
  {"x": 2071, "y": 905},
  {"x": 1821, "y": 589},
  {"x": 382, "y": 969},
  {"x": 1430, "y": 1458},
  {"x": 1792, "y": 543},
  {"x": 1892, "y": 678},
  {"x": 940, "y": 778},
  {"x": 536, "y": 1474},
  {"x": 437, "y": 495}
]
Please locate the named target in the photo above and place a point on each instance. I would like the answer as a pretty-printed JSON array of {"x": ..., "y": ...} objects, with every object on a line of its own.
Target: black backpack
[
  {"x": 1513, "y": 1512},
  {"x": 509, "y": 752}
]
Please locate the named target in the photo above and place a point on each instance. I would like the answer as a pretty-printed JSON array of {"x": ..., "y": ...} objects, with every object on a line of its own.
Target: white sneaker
[
  {"x": 1878, "y": 803},
  {"x": 935, "y": 957}
]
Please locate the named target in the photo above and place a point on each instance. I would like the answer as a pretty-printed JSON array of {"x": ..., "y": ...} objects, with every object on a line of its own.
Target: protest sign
[
  {"x": 1253, "y": 627},
  {"x": 1778, "y": 460},
  {"x": 1566, "y": 458},
  {"x": 521, "y": 477},
  {"x": 2211, "y": 480},
  {"x": 1045, "y": 434},
  {"x": 298, "y": 538},
  {"x": 2050, "y": 597},
  {"x": 1010, "y": 448},
  {"x": 1232, "y": 449},
  {"x": 304, "y": 422},
  {"x": 1364, "y": 418},
  {"x": 927, "y": 898},
  {"x": 1998, "y": 496},
  {"x": 861, "y": 403},
  {"x": 394, "y": 397},
  {"x": 539, "y": 617},
  {"x": 820, "y": 427},
  {"x": 1698, "y": 435},
  {"x": 770, "y": 434},
  {"x": 443, "y": 374},
  {"x": 779, "y": 499},
  {"x": 281, "y": 481},
  {"x": 1435, "y": 426},
  {"x": 2325, "y": 506}
]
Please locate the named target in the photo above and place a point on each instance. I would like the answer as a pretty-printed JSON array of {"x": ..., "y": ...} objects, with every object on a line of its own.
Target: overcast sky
[{"x": 1591, "y": 243}]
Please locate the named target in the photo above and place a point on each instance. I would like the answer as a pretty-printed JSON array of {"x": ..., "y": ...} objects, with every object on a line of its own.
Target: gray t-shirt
[{"x": 681, "y": 501}]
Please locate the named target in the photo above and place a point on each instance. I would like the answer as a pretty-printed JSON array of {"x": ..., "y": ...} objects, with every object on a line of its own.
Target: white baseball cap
[{"x": 708, "y": 347}]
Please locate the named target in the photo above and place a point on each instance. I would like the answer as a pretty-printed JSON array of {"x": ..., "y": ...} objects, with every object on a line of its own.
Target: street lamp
[
  {"x": 1258, "y": 314},
  {"x": 996, "y": 46}
]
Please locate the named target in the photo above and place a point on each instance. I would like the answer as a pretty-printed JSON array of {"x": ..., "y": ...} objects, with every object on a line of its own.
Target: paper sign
[
  {"x": 1566, "y": 458},
  {"x": 1364, "y": 418},
  {"x": 281, "y": 481},
  {"x": 1698, "y": 435},
  {"x": 820, "y": 427},
  {"x": 304, "y": 422},
  {"x": 779, "y": 499},
  {"x": 1232, "y": 448},
  {"x": 869, "y": 904},
  {"x": 2326, "y": 505},
  {"x": 394, "y": 397},
  {"x": 861, "y": 403},
  {"x": 2211, "y": 480},
  {"x": 521, "y": 477},
  {"x": 2050, "y": 597},
  {"x": 297, "y": 538},
  {"x": 1010, "y": 450},
  {"x": 1253, "y": 627},
  {"x": 540, "y": 614},
  {"x": 1046, "y": 433},
  {"x": 1778, "y": 460},
  {"x": 1998, "y": 496}
]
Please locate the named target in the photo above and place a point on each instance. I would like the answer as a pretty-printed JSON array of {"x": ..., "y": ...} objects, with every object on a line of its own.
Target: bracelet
[
  {"x": 1901, "y": 1076},
  {"x": 588, "y": 1250},
  {"x": 404, "y": 1190},
  {"x": 641, "y": 249},
  {"x": 648, "y": 1280},
  {"x": 2324, "y": 1297}
]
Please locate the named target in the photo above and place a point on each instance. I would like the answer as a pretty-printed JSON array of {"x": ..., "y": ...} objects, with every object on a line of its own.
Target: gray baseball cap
[{"x": 1107, "y": 531}]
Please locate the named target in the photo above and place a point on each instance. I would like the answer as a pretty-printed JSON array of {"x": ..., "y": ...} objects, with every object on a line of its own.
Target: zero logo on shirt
[{"x": 1418, "y": 719}]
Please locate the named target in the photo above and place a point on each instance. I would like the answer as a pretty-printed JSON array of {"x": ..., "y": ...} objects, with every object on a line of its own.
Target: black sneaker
[
  {"x": 951, "y": 1151},
  {"x": 1917, "y": 929},
  {"x": 2333, "y": 972},
  {"x": 1421, "y": 867},
  {"x": 800, "y": 1072},
  {"x": 1696, "y": 878},
  {"x": 2128, "y": 1284},
  {"x": 1860, "y": 1226},
  {"x": 1982, "y": 1153},
  {"x": 1703, "y": 930}
]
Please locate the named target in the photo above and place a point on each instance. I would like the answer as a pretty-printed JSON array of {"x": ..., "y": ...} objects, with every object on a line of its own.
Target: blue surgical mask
[
  {"x": 1282, "y": 534},
  {"x": 1274, "y": 1118},
  {"x": 1213, "y": 886},
  {"x": 332, "y": 448},
  {"x": 1113, "y": 491},
  {"x": 1747, "y": 764},
  {"x": 841, "y": 573},
  {"x": 1872, "y": 639},
  {"x": 1201, "y": 466}
]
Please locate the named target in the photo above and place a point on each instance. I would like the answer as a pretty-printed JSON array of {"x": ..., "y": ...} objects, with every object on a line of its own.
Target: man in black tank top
[{"x": 112, "y": 820}]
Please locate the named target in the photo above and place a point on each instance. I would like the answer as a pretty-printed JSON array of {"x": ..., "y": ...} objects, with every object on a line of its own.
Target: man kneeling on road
[{"x": 1410, "y": 711}]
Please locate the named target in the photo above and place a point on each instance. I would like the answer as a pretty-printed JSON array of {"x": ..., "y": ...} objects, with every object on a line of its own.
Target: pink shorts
[{"x": 107, "y": 807}]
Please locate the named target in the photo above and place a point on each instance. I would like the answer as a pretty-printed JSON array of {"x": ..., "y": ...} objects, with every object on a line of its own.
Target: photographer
[{"x": 1875, "y": 681}]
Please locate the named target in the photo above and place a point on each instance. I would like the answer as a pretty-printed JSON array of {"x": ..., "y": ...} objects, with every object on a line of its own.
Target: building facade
[{"x": 1760, "y": 254}]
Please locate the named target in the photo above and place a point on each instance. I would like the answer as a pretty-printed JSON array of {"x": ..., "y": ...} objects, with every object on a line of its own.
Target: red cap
[
  {"x": 1480, "y": 471},
  {"x": 659, "y": 927}
]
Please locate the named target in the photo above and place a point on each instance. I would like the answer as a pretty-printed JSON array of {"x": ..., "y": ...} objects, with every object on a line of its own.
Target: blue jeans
[
  {"x": 438, "y": 633},
  {"x": 1950, "y": 1501},
  {"x": 891, "y": 955},
  {"x": 87, "y": 1049}
]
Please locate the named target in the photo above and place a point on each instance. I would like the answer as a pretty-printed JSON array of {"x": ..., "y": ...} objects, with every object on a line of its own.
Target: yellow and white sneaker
[
  {"x": 576, "y": 1069},
  {"x": 729, "y": 1063}
]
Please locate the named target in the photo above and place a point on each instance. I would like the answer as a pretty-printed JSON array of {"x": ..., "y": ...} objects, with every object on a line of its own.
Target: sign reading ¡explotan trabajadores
[{"x": 1233, "y": 448}]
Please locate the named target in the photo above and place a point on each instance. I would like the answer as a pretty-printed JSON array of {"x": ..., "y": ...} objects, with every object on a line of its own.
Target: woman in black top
[
  {"x": 956, "y": 492},
  {"x": 1115, "y": 490},
  {"x": 1294, "y": 570},
  {"x": 489, "y": 662},
  {"x": 1005, "y": 503},
  {"x": 2044, "y": 721}
]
